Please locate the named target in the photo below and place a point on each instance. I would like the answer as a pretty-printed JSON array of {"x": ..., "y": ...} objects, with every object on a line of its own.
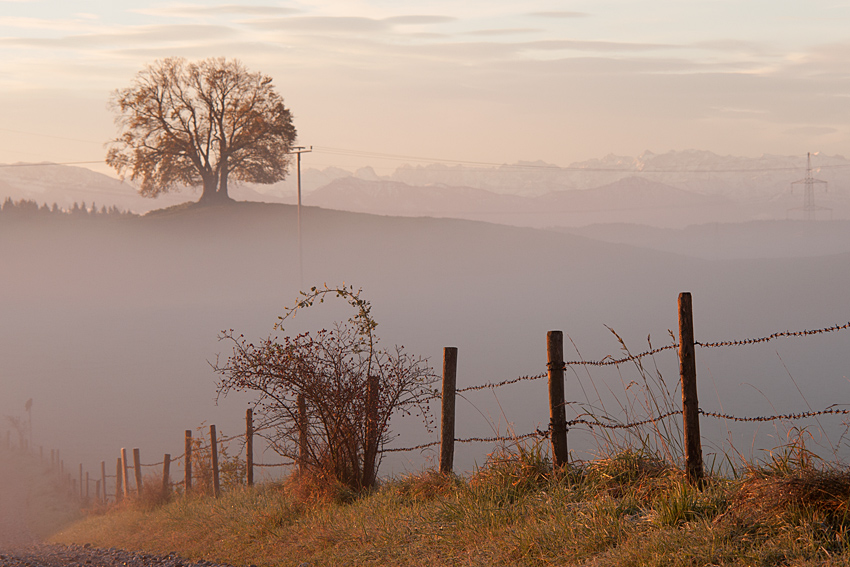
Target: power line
[
  {"x": 520, "y": 166},
  {"x": 49, "y": 164}
]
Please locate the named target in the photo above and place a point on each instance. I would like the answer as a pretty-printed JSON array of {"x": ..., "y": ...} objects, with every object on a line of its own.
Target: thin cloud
[
  {"x": 508, "y": 31},
  {"x": 23, "y": 23},
  {"x": 419, "y": 19},
  {"x": 127, "y": 36},
  {"x": 323, "y": 24},
  {"x": 195, "y": 10},
  {"x": 605, "y": 46},
  {"x": 559, "y": 15}
]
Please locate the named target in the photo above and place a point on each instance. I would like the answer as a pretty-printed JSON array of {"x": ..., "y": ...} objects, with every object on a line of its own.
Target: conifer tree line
[{"x": 31, "y": 208}]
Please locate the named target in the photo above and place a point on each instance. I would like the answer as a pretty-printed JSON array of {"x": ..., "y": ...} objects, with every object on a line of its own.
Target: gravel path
[{"x": 85, "y": 556}]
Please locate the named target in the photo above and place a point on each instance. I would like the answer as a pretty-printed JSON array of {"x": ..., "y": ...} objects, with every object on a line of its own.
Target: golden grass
[{"x": 629, "y": 509}]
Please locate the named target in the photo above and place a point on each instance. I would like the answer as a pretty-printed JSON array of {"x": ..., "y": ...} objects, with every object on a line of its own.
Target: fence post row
[
  {"x": 557, "y": 411},
  {"x": 447, "y": 417},
  {"x": 166, "y": 474},
  {"x": 187, "y": 461},
  {"x": 302, "y": 434},
  {"x": 103, "y": 479},
  {"x": 370, "y": 454},
  {"x": 119, "y": 487},
  {"x": 137, "y": 468},
  {"x": 214, "y": 461},
  {"x": 690, "y": 403},
  {"x": 124, "y": 474},
  {"x": 249, "y": 446}
]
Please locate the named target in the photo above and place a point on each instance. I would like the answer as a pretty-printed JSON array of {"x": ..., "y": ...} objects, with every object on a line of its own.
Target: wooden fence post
[
  {"x": 249, "y": 446},
  {"x": 137, "y": 467},
  {"x": 447, "y": 411},
  {"x": 125, "y": 479},
  {"x": 119, "y": 478},
  {"x": 103, "y": 479},
  {"x": 370, "y": 455},
  {"x": 214, "y": 461},
  {"x": 690, "y": 403},
  {"x": 302, "y": 434},
  {"x": 87, "y": 486},
  {"x": 557, "y": 411},
  {"x": 166, "y": 475},
  {"x": 187, "y": 462},
  {"x": 82, "y": 492}
]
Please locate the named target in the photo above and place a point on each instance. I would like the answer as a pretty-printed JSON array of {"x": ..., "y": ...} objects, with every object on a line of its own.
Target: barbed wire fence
[
  {"x": 591, "y": 421},
  {"x": 199, "y": 450}
]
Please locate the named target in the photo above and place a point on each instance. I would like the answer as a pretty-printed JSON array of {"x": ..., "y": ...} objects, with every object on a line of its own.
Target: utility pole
[
  {"x": 298, "y": 150},
  {"x": 808, "y": 183}
]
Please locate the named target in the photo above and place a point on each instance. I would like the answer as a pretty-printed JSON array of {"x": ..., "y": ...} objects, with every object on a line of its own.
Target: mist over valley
[{"x": 110, "y": 324}]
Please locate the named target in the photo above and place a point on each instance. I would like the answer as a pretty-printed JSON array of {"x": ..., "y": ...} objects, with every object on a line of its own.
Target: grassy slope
[{"x": 626, "y": 510}]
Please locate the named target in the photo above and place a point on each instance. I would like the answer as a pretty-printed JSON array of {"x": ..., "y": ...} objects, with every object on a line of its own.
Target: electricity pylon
[{"x": 809, "y": 208}]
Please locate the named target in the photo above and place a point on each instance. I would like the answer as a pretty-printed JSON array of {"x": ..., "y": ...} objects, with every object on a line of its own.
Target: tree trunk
[
  {"x": 222, "y": 182},
  {"x": 209, "y": 195}
]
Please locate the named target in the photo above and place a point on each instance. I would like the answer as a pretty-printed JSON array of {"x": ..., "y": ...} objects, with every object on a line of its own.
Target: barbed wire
[
  {"x": 496, "y": 439},
  {"x": 783, "y": 417},
  {"x": 776, "y": 335},
  {"x": 611, "y": 361},
  {"x": 597, "y": 423},
  {"x": 493, "y": 385}
]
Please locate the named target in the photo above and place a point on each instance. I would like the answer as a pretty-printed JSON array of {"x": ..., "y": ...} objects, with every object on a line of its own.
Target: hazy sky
[{"x": 490, "y": 81}]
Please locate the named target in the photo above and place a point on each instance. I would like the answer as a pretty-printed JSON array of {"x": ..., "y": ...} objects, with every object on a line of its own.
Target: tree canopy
[{"x": 200, "y": 124}]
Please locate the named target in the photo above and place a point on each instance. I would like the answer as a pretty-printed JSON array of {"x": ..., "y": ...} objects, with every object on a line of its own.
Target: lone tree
[
  {"x": 326, "y": 400},
  {"x": 200, "y": 124}
]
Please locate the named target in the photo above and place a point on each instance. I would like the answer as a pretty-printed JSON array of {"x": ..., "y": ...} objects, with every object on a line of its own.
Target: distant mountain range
[{"x": 675, "y": 189}]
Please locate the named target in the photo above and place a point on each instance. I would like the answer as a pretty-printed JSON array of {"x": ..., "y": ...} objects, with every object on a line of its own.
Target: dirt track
[
  {"x": 16, "y": 488},
  {"x": 77, "y": 555}
]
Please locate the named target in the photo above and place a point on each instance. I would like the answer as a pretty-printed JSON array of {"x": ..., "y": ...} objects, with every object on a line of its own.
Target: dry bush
[
  {"x": 773, "y": 499},
  {"x": 152, "y": 496},
  {"x": 315, "y": 488},
  {"x": 426, "y": 486},
  {"x": 325, "y": 400}
]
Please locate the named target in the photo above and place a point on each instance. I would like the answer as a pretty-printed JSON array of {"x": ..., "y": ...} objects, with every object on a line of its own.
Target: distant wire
[
  {"x": 49, "y": 164},
  {"x": 401, "y": 157}
]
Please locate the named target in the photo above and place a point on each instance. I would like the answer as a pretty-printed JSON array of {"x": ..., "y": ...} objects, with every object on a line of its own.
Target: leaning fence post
[
  {"x": 214, "y": 461},
  {"x": 249, "y": 446},
  {"x": 690, "y": 403},
  {"x": 447, "y": 415},
  {"x": 137, "y": 468},
  {"x": 187, "y": 462},
  {"x": 124, "y": 475},
  {"x": 119, "y": 477},
  {"x": 302, "y": 434},
  {"x": 557, "y": 411},
  {"x": 371, "y": 453},
  {"x": 166, "y": 475},
  {"x": 103, "y": 479}
]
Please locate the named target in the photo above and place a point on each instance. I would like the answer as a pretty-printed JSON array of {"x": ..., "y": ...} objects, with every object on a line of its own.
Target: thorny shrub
[{"x": 325, "y": 399}]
